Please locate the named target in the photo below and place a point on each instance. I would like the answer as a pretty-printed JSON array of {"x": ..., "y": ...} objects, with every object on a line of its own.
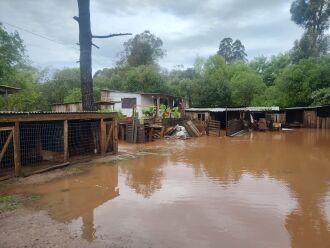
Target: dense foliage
[{"x": 299, "y": 77}]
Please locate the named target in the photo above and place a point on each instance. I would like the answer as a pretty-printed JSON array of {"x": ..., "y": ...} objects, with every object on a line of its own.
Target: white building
[{"x": 125, "y": 101}]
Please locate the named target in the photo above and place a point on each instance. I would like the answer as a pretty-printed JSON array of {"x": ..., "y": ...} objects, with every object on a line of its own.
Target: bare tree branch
[
  {"x": 110, "y": 35},
  {"x": 95, "y": 46},
  {"x": 76, "y": 18}
]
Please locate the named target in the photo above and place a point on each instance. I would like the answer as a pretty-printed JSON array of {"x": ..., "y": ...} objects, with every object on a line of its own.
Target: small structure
[
  {"x": 8, "y": 90},
  {"x": 125, "y": 101},
  {"x": 311, "y": 117},
  {"x": 31, "y": 142},
  {"x": 233, "y": 120},
  {"x": 67, "y": 107}
]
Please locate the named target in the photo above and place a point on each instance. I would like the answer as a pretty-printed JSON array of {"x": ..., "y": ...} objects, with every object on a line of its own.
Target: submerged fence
[{"x": 29, "y": 147}]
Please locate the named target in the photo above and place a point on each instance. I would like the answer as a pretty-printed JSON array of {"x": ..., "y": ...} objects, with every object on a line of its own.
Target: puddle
[{"x": 256, "y": 190}]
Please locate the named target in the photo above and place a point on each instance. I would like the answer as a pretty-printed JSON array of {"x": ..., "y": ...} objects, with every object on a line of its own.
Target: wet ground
[{"x": 258, "y": 190}]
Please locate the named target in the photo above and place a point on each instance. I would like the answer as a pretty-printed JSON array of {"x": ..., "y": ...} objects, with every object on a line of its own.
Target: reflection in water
[
  {"x": 76, "y": 197},
  {"x": 257, "y": 190},
  {"x": 146, "y": 174}
]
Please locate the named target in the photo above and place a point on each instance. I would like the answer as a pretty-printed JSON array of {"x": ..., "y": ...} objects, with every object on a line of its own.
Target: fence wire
[
  {"x": 7, "y": 160},
  {"x": 84, "y": 137},
  {"x": 41, "y": 143}
]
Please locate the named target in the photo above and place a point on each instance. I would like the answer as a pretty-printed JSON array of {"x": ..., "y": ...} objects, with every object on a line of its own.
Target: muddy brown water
[{"x": 257, "y": 190}]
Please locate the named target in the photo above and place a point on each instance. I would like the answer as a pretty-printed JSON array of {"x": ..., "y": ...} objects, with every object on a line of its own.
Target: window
[
  {"x": 128, "y": 103},
  {"x": 201, "y": 117}
]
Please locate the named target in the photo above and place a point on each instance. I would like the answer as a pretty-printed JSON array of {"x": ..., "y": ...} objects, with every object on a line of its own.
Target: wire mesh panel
[
  {"x": 41, "y": 144},
  {"x": 6, "y": 152},
  {"x": 84, "y": 137}
]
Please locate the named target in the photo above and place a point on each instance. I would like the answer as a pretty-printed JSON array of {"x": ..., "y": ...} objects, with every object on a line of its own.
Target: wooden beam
[
  {"x": 17, "y": 150},
  {"x": 65, "y": 141},
  {"x": 108, "y": 138},
  {"x": 103, "y": 136},
  {"x": 5, "y": 146},
  {"x": 6, "y": 128},
  {"x": 115, "y": 137},
  {"x": 56, "y": 117}
]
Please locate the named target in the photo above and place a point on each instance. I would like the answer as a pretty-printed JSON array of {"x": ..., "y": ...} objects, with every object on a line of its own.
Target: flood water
[{"x": 258, "y": 190}]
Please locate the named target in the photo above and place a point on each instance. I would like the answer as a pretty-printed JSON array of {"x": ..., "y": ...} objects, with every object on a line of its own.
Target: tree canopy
[
  {"x": 232, "y": 50},
  {"x": 142, "y": 49}
]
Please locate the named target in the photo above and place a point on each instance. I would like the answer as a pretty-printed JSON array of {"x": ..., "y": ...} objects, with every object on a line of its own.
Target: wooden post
[
  {"x": 17, "y": 150},
  {"x": 115, "y": 137},
  {"x": 226, "y": 121},
  {"x": 157, "y": 106},
  {"x": 103, "y": 136},
  {"x": 65, "y": 141}
]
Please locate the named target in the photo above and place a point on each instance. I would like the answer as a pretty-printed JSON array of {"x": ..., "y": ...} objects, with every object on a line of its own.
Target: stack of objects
[
  {"x": 192, "y": 129},
  {"x": 177, "y": 132}
]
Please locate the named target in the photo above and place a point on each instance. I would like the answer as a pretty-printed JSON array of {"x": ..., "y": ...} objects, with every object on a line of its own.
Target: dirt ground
[
  {"x": 27, "y": 228},
  {"x": 24, "y": 227}
]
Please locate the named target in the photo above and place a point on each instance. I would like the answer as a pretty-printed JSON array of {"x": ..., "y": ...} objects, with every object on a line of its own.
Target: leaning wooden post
[
  {"x": 103, "y": 134},
  {"x": 17, "y": 150},
  {"x": 65, "y": 141}
]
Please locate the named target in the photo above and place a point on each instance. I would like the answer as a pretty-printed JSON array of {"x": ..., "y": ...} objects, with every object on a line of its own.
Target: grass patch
[
  {"x": 9, "y": 202},
  {"x": 74, "y": 170}
]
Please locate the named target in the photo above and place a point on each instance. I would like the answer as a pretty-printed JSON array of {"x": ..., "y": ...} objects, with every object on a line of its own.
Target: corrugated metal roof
[
  {"x": 250, "y": 109},
  {"x": 302, "y": 108},
  {"x": 49, "y": 113}
]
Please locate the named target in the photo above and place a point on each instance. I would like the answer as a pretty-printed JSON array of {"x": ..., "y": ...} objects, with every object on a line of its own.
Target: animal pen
[{"x": 39, "y": 141}]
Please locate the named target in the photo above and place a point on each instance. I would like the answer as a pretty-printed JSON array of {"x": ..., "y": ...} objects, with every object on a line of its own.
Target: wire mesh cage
[
  {"x": 6, "y": 153},
  {"x": 41, "y": 143},
  {"x": 84, "y": 137}
]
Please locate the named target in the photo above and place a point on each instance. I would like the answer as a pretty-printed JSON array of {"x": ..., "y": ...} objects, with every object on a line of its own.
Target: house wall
[
  {"x": 117, "y": 96},
  {"x": 197, "y": 116}
]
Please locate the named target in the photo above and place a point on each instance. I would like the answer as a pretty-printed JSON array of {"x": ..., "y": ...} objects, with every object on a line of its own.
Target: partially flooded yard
[{"x": 258, "y": 190}]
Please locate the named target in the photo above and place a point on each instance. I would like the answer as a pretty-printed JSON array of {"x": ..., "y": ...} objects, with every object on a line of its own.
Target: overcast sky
[{"x": 188, "y": 28}]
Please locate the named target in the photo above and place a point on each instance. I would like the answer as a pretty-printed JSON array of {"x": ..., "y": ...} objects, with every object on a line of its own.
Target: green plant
[{"x": 149, "y": 111}]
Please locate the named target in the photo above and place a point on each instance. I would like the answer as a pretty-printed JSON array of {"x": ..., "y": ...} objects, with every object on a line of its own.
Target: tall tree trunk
[{"x": 85, "y": 41}]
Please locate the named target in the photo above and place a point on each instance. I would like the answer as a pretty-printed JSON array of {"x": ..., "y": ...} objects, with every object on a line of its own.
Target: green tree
[
  {"x": 144, "y": 78},
  {"x": 59, "y": 86},
  {"x": 298, "y": 82},
  {"x": 239, "y": 51},
  {"x": 246, "y": 86},
  {"x": 29, "y": 98},
  {"x": 142, "y": 49},
  {"x": 11, "y": 53},
  {"x": 73, "y": 95},
  {"x": 231, "y": 51},
  {"x": 270, "y": 69},
  {"x": 313, "y": 16},
  {"x": 321, "y": 97}
]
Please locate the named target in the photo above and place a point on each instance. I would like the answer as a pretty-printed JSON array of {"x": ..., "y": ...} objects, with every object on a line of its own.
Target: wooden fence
[
  {"x": 35, "y": 146},
  {"x": 234, "y": 126}
]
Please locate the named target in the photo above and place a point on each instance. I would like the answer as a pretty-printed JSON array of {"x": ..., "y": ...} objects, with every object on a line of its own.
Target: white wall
[{"x": 117, "y": 96}]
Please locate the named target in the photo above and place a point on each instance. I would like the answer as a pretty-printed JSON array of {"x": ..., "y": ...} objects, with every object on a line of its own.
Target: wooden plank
[
  {"x": 115, "y": 137},
  {"x": 6, "y": 128},
  {"x": 103, "y": 136},
  {"x": 65, "y": 141},
  {"x": 47, "y": 169},
  {"x": 193, "y": 128},
  {"x": 108, "y": 139},
  {"x": 17, "y": 150},
  {"x": 5, "y": 146},
  {"x": 56, "y": 117}
]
